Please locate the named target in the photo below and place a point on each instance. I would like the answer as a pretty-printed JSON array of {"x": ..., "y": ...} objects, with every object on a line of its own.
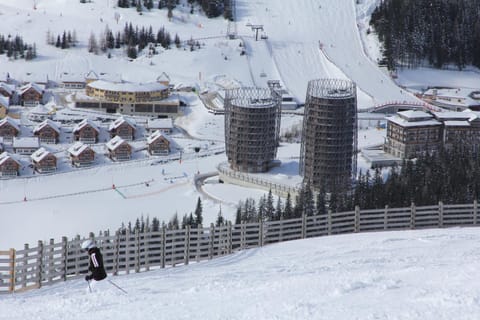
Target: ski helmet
[{"x": 88, "y": 244}]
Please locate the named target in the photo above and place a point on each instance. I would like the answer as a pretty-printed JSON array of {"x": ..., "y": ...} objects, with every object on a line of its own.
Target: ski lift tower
[{"x": 256, "y": 27}]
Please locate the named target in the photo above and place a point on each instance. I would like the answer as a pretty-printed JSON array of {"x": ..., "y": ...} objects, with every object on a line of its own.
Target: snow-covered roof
[
  {"x": 91, "y": 75},
  {"x": 114, "y": 143},
  {"x": 77, "y": 148},
  {"x": 10, "y": 121},
  {"x": 26, "y": 142},
  {"x": 31, "y": 85},
  {"x": 45, "y": 123},
  {"x": 119, "y": 121},
  {"x": 156, "y": 135},
  {"x": 5, "y": 156},
  {"x": 41, "y": 109},
  {"x": 414, "y": 114},
  {"x": 456, "y": 123},
  {"x": 40, "y": 154},
  {"x": 4, "y": 101},
  {"x": 163, "y": 77},
  {"x": 10, "y": 88},
  {"x": 452, "y": 115},
  {"x": 166, "y": 123},
  {"x": 84, "y": 123},
  {"x": 405, "y": 123},
  {"x": 126, "y": 86}
]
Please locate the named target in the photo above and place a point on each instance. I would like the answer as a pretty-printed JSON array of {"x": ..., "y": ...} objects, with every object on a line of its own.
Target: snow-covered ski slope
[
  {"x": 313, "y": 39},
  {"x": 307, "y": 39},
  {"x": 428, "y": 275}
]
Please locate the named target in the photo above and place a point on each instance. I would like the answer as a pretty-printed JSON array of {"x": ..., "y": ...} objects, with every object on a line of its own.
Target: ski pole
[
  {"x": 118, "y": 287},
  {"x": 89, "y": 287}
]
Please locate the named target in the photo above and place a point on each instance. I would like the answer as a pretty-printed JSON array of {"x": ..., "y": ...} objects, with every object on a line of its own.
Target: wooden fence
[{"x": 49, "y": 263}]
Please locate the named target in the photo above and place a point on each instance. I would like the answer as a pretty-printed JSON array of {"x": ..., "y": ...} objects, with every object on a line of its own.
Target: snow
[{"x": 422, "y": 274}]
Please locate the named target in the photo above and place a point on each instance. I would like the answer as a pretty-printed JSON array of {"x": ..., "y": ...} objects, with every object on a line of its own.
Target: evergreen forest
[{"x": 428, "y": 32}]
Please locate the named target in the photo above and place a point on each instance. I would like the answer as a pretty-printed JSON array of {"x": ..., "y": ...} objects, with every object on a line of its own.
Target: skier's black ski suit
[{"x": 95, "y": 265}]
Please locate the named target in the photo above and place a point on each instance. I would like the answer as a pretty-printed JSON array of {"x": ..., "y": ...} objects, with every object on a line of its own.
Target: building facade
[
  {"x": 151, "y": 99},
  {"x": 329, "y": 138},
  {"x": 252, "y": 126},
  {"x": 414, "y": 133}
]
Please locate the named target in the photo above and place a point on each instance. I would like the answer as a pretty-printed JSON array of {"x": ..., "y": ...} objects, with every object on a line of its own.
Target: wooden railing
[{"x": 49, "y": 263}]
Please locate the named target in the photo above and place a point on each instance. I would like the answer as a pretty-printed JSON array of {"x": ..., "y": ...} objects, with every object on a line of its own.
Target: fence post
[
  {"x": 127, "y": 251},
  {"x": 116, "y": 254},
  {"x": 385, "y": 218},
  {"x": 199, "y": 242},
  {"x": 39, "y": 263},
  {"x": 329, "y": 222},
  {"x": 440, "y": 214},
  {"x": 51, "y": 266},
  {"x": 304, "y": 225},
  {"x": 212, "y": 240},
  {"x": 260, "y": 233},
  {"x": 187, "y": 245},
  {"x": 137, "y": 250},
  {"x": 230, "y": 236},
  {"x": 475, "y": 211},
  {"x": 65, "y": 257},
  {"x": 357, "y": 219},
  {"x": 25, "y": 264},
  {"x": 12, "y": 270},
  {"x": 164, "y": 239},
  {"x": 413, "y": 212},
  {"x": 146, "y": 245}
]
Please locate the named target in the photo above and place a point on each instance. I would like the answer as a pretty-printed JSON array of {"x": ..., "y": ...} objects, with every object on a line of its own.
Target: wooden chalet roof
[
  {"x": 114, "y": 143},
  {"x": 118, "y": 122},
  {"x": 84, "y": 123},
  {"x": 45, "y": 123},
  {"x": 10, "y": 121},
  {"x": 40, "y": 154},
  {"x": 5, "y": 156},
  {"x": 77, "y": 148}
]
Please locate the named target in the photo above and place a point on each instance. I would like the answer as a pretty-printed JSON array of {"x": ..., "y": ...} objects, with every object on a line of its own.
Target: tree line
[
  {"x": 134, "y": 38},
  {"x": 433, "y": 32},
  {"x": 212, "y": 8},
  {"x": 15, "y": 48}
]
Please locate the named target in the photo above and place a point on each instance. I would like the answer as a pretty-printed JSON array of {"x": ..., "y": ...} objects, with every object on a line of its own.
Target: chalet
[
  {"x": 163, "y": 125},
  {"x": 31, "y": 95},
  {"x": 9, "y": 166},
  {"x": 41, "y": 112},
  {"x": 81, "y": 155},
  {"x": 119, "y": 149},
  {"x": 4, "y": 103},
  {"x": 86, "y": 131},
  {"x": 158, "y": 144},
  {"x": 9, "y": 128},
  {"x": 47, "y": 132},
  {"x": 91, "y": 76},
  {"x": 7, "y": 90},
  {"x": 44, "y": 161},
  {"x": 25, "y": 145},
  {"x": 164, "y": 79},
  {"x": 122, "y": 127}
]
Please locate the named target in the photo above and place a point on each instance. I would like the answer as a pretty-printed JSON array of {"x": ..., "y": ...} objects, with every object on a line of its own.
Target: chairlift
[
  {"x": 264, "y": 36},
  {"x": 263, "y": 74}
]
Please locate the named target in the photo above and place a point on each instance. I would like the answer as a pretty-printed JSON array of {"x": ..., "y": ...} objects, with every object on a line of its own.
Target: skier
[{"x": 95, "y": 263}]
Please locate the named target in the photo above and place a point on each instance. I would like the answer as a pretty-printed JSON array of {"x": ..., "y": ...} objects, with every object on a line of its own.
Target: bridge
[{"x": 392, "y": 107}]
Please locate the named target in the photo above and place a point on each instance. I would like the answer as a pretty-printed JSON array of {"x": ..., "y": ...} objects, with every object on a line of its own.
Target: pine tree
[
  {"x": 198, "y": 213},
  {"x": 278, "y": 210},
  {"x": 288, "y": 210},
  {"x": 269, "y": 208},
  {"x": 220, "y": 220},
  {"x": 92, "y": 44}
]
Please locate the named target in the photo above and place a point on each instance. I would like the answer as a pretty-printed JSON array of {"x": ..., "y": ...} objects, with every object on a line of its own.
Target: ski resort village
[{"x": 238, "y": 159}]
